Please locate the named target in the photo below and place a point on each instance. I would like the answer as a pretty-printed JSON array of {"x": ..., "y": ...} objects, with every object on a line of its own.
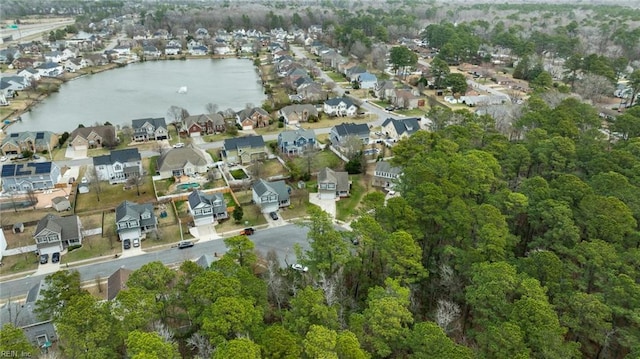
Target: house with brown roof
[
  {"x": 204, "y": 124},
  {"x": 83, "y": 138},
  {"x": 251, "y": 118},
  {"x": 294, "y": 114},
  {"x": 405, "y": 99},
  {"x": 18, "y": 142},
  {"x": 117, "y": 282},
  {"x": 181, "y": 161}
]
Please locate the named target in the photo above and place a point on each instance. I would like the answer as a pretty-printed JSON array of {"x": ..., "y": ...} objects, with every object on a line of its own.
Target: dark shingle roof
[
  {"x": 155, "y": 122},
  {"x": 66, "y": 226},
  {"x": 336, "y": 101},
  {"x": 351, "y": 129},
  {"x": 215, "y": 200},
  {"x": 130, "y": 210},
  {"x": 238, "y": 142},
  {"x": 405, "y": 125},
  {"x": 122, "y": 156}
]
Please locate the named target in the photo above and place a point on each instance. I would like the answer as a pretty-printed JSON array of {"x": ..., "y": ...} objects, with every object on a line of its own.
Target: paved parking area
[
  {"x": 75, "y": 154},
  {"x": 327, "y": 205},
  {"x": 204, "y": 233}
]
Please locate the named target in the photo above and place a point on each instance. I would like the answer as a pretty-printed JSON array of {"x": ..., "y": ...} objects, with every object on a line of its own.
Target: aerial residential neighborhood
[{"x": 255, "y": 179}]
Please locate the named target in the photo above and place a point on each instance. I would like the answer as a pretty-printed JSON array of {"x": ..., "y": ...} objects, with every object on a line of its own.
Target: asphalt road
[{"x": 280, "y": 239}]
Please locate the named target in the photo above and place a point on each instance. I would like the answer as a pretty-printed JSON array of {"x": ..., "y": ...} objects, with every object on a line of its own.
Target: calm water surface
[{"x": 146, "y": 89}]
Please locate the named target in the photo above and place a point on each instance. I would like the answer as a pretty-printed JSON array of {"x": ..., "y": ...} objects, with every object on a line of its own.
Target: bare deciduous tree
[
  {"x": 200, "y": 343},
  {"x": 593, "y": 87},
  {"x": 212, "y": 108}
]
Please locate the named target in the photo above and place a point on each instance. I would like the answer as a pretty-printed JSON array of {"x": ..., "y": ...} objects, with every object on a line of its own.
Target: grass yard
[
  {"x": 244, "y": 197},
  {"x": 346, "y": 207},
  {"x": 19, "y": 263},
  {"x": 112, "y": 195},
  {"x": 93, "y": 246},
  {"x": 91, "y": 221},
  {"x": 217, "y": 183},
  {"x": 163, "y": 185},
  {"x": 26, "y": 215},
  {"x": 269, "y": 168},
  {"x": 252, "y": 217},
  {"x": 299, "y": 205},
  {"x": 323, "y": 159},
  {"x": 238, "y": 174},
  {"x": 333, "y": 121},
  {"x": 215, "y": 154},
  {"x": 229, "y": 199},
  {"x": 416, "y": 112},
  {"x": 336, "y": 77}
]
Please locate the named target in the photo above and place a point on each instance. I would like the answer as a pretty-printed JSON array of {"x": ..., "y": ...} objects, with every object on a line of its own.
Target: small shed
[
  {"x": 61, "y": 203},
  {"x": 18, "y": 227},
  {"x": 83, "y": 188}
]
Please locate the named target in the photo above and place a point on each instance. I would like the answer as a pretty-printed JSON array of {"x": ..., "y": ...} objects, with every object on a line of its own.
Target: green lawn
[
  {"x": 93, "y": 246},
  {"x": 345, "y": 207},
  {"x": 268, "y": 168},
  {"x": 336, "y": 77},
  {"x": 19, "y": 263},
  {"x": 238, "y": 174},
  {"x": 299, "y": 205},
  {"x": 162, "y": 186},
  {"x": 215, "y": 154},
  {"x": 321, "y": 160},
  {"x": 252, "y": 217}
]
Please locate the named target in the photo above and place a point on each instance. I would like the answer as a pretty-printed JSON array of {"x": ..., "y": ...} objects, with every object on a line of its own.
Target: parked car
[
  {"x": 178, "y": 145},
  {"x": 44, "y": 258},
  {"x": 185, "y": 244},
  {"x": 299, "y": 267},
  {"x": 126, "y": 243},
  {"x": 55, "y": 258},
  {"x": 136, "y": 242},
  {"x": 36, "y": 157},
  {"x": 3, "y": 158},
  {"x": 273, "y": 216},
  {"x": 247, "y": 231}
]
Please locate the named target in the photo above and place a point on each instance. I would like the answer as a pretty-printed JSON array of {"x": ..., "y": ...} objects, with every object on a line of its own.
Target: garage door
[{"x": 80, "y": 148}]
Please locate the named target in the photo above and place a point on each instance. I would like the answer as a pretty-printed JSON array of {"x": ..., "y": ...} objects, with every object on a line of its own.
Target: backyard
[
  {"x": 266, "y": 169},
  {"x": 346, "y": 207},
  {"x": 322, "y": 159}
]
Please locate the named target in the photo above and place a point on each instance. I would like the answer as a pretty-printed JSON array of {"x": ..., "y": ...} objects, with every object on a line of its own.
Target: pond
[{"x": 146, "y": 89}]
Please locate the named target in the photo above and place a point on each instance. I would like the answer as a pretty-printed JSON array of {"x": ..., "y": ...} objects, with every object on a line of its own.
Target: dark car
[
  {"x": 44, "y": 258},
  {"x": 247, "y": 231},
  {"x": 55, "y": 258},
  {"x": 126, "y": 243},
  {"x": 185, "y": 244},
  {"x": 273, "y": 216}
]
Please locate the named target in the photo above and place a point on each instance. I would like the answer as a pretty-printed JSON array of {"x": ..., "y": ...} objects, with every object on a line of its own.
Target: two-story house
[
  {"x": 181, "y": 161},
  {"x": 206, "y": 208},
  {"x": 340, "y": 133},
  {"x": 333, "y": 184},
  {"x": 134, "y": 220},
  {"x": 384, "y": 89},
  {"x": 204, "y": 124},
  {"x": 243, "y": 149},
  {"x": 50, "y": 69},
  {"x": 147, "y": 129},
  {"x": 367, "y": 80},
  {"x": 296, "y": 142},
  {"x": 83, "y": 138},
  {"x": 118, "y": 165},
  {"x": 398, "y": 129},
  {"x": 251, "y": 118},
  {"x": 18, "y": 142},
  {"x": 29, "y": 176},
  {"x": 270, "y": 196},
  {"x": 340, "y": 106},
  {"x": 55, "y": 233},
  {"x": 295, "y": 114},
  {"x": 385, "y": 175}
]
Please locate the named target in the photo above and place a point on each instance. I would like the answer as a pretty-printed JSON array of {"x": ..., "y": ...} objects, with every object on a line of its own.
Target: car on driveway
[
  {"x": 247, "y": 231},
  {"x": 185, "y": 244},
  {"x": 3, "y": 158},
  {"x": 55, "y": 258},
  {"x": 299, "y": 267},
  {"x": 178, "y": 145},
  {"x": 44, "y": 258},
  {"x": 136, "y": 242},
  {"x": 273, "y": 216},
  {"x": 126, "y": 243}
]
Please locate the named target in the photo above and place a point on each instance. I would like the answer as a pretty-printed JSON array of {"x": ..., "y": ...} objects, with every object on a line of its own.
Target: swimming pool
[{"x": 188, "y": 186}]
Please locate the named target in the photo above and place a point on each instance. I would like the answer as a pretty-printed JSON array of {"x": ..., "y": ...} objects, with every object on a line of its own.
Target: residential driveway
[
  {"x": 133, "y": 251},
  {"x": 204, "y": 233},
  {"x": 47, "y": 268},
  {"x": 327, "y": 205},
  {"x": 197, "y": 140},
  {"x": 73, "y": 154}
]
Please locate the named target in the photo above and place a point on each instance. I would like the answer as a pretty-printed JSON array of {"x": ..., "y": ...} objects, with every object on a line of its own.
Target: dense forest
[{"x": 497, "y": 248}]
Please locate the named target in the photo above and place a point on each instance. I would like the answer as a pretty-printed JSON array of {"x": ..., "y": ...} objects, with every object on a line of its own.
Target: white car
[
  {"x": 3, "y": 158},
  {"x": 136, "y": 242},
  {"x": 299, "y": 267},
  {"x": 178, "y": 145}
]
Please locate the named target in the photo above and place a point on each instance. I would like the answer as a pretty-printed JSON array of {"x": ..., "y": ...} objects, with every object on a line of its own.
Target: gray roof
[
  {"x": 34, "y": 293},
  {"x": 102, "y": 131},
  {"x": 352, "y": 129},
  {"x": 117, "y": 282},
  {"x": 122, "y": 156},
  {"x": 215, "y": 200},
  {"x": 178, "y": 157},
  {"x": 248, "y": 112},
  {"x": 310, "y": 109},
  {"x": 341, "y": 179},
  {"x": 59, "y": 199},
  {"x": 68, "y": 227},
  {"x": 337, "y": 100},
  {"x": 239, "y": 142},
  {"x": 384, "y": 166},
  {"x": 290, "y": 136},
  {"x": 280, "y": 187},
  {"x": 205, "y": 260},
  {"x": 155, "y": 122},
  {"x": 39, "y": 138},
  {"x": 133, "y": 211},
  {"x": 405, "y": 125}
]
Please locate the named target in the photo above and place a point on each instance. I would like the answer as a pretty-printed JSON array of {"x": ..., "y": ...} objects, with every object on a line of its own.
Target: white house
[
  {"x": 340, "y": 106},
  {"x": 30, "y": 74},
  {"x": 118, "y": 166}
]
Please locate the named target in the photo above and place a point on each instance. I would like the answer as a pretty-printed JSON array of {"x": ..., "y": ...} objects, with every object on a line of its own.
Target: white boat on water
[{"x": 182, "y": 89}]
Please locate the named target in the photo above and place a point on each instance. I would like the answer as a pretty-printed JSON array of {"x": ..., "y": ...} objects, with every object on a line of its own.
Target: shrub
[{"x": 74, "y": 247}]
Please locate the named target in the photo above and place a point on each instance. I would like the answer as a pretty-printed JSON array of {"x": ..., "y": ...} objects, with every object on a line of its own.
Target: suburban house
[
  {"x": 204, "y": 124},
  {"x": 332, "y": 184},
  {"x": 39, "y": 332},
  {"x": 30, "y": 74},
  {"x": 172, "y": 50},
  {"x": 14, "y": 83},
  {"x": 405, "y": 99},
  {"x": 243, "y": 149},
  {"x": 135, "y": 220},
  {"x": 146, "y": 129},
  {"x": 18, "y": 142},
  {"x": 251, "y": 118},
  {"x": 50, "y": 69},
  {"x": 206, "y": 208},
  {"x": 55, "y": 233},
  {"x": 312, "y": 92},
  {"x": 83, "y": 138},
  {"x": 60, "y": 203},
  {"x": 117, "y": 282},
  {"x": 29, "y": 176},
  {"x": 384, "y": 89},
  {"x": 340, "y": 106},
  {"x": 295, "y": 114},
  {"x": 181, "y": 161},
  {"x": 340, "y": 133},
  {"x": 398, "y": 129},
  {"x": 151, "y": 51},
  {"x": 385, "y": 175},
  {"x": 367, "y": 80},
  {"x": 198, "y": 50},
  {"x": 25, "y": 63},
  {"x": 295, "y": 142},
  {"x": 270, "y": 196},
  {"x": 118, "y": 165}
]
